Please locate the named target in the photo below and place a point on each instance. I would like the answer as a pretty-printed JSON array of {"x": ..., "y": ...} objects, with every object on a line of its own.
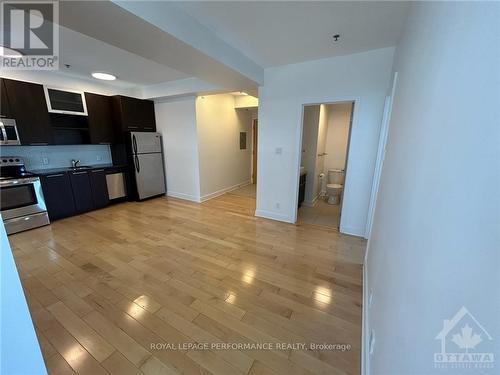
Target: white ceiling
[
  {"x": 285, "y": 32},
  {"x": 86, "y": 55},
  {"x": 179, "y": 48}
]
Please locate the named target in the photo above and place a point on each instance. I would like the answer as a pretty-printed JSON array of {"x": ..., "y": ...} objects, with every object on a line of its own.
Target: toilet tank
[{"x": 336, "y": 176}]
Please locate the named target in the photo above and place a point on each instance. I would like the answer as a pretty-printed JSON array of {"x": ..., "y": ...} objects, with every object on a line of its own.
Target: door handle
[
  {"x": 137, "y": 166},
  {"x": 134, "y": 144}
]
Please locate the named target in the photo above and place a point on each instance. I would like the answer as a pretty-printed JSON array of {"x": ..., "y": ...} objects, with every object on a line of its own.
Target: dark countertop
[{"x": 69, "y": 169}]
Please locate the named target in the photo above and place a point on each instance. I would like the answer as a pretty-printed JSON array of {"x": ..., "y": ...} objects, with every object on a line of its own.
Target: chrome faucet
[{"x": 74, "y": 163}]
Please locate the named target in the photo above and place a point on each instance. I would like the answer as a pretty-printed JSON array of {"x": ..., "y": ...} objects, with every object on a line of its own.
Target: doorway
[
  {"x": 254, "y": 150},
  {"x": 326, "y": 132}
]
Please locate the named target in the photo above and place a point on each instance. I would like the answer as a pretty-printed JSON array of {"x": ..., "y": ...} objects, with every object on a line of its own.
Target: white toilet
[{"x": 335, "y": 185}]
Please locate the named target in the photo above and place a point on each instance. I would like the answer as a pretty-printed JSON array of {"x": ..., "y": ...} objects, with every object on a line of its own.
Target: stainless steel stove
[{"x": 22, "y": 204}]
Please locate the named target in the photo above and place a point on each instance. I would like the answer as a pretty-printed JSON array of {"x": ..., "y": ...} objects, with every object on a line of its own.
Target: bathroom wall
[
  {"x": 44, "y": 157},
  {"x": 339, "y": 117}
]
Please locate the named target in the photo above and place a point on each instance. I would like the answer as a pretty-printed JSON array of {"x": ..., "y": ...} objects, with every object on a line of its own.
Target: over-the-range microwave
[{"x": 8, "y": 132}]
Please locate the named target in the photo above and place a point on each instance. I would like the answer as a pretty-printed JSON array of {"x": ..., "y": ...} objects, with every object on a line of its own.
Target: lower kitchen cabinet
[
  {"x": 82, "y": 191},
  {"x": 58, "y": 195},
  {"x": 99, "y": 188},
  {"x": 69, "y": 193}
]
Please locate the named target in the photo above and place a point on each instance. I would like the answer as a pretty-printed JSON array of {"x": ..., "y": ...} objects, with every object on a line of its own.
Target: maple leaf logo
[{"x": 466, "y": 340}]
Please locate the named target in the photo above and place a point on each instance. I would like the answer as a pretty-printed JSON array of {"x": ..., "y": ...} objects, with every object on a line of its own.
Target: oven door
[{"x": 21, "y": 197}]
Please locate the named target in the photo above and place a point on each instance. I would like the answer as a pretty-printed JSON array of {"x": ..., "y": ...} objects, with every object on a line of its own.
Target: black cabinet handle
[
  {"x": 55, "y": 175},
  {"x": 97, "y": 170},
  {"x": 75, "y": 173}
]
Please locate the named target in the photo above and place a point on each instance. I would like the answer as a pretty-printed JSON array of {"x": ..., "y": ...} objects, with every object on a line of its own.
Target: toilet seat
[{"x": 334, "y": 186}]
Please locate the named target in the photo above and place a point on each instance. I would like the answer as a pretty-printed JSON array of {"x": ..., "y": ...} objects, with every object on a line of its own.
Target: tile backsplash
[{"x": 43, "y": 157}]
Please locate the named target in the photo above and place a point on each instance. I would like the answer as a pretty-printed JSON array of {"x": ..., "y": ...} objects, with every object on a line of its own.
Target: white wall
[
  {"x": 363, "y": 77},
  {"x": 435, "y": 241},
  {"x": 176, "y": 121},
  {"x": 20, "y": 351},
  {"x": 339, "y": 117},
  {"x": 309, "y": 146},
  {"x": 223, "y": 166}
]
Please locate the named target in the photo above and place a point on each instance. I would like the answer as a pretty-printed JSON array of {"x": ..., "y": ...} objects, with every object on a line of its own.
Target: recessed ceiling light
[
  {"x": 104, "y": 76},
  {"x": 9, "y": 52}
]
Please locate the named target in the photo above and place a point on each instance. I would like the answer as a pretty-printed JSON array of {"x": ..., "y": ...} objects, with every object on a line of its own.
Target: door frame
[
  {"x": 255, "y": 133},
  {"x": 384, "y": 132},
  {"x": 356, "y": 100},
  {"x": 341, "y": 203}
]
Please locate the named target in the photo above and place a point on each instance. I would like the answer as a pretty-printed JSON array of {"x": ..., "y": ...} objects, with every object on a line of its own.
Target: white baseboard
[
  {"x": 187, "y": 197},
  {"x": 353, "y": 231},
  {"x": 217, "y": 193},
  {"x": 274, "y": 216}
]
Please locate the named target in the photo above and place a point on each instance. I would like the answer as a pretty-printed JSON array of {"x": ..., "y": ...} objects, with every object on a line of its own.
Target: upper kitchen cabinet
[
  {"x": 100, "y": 118},
  {"x": 28, "y": 107},
  {"x": 4, "y": 101},
  {"x": 133, "y": 114}
]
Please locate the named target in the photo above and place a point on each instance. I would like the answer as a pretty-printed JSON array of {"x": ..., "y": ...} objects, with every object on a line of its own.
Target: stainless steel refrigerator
[{"x": 147, "y": 158}]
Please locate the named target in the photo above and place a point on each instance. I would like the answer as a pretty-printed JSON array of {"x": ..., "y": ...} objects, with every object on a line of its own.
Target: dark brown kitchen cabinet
[
  {"x": 99, "y": 188},
  {"x": 131, "y": 114},
  {"x": 29, "y": 109},
  {"x": 82, "y": 191},
  {"x": 100, "y": 118},
  {"x": 58, "y": 195},
  {"x": 4, "y": 101}
]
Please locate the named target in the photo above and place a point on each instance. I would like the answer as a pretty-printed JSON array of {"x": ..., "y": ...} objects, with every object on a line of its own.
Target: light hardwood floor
[{"x": 104, "y": 286}]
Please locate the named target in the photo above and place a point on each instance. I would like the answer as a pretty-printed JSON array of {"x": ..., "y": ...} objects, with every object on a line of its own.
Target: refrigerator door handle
[
  {"x": 134, "y": 144},
  {"x": 137, "y": 166}
]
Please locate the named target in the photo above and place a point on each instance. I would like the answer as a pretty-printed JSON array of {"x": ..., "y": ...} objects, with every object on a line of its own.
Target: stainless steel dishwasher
[{"x": 116, "y": 185}]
